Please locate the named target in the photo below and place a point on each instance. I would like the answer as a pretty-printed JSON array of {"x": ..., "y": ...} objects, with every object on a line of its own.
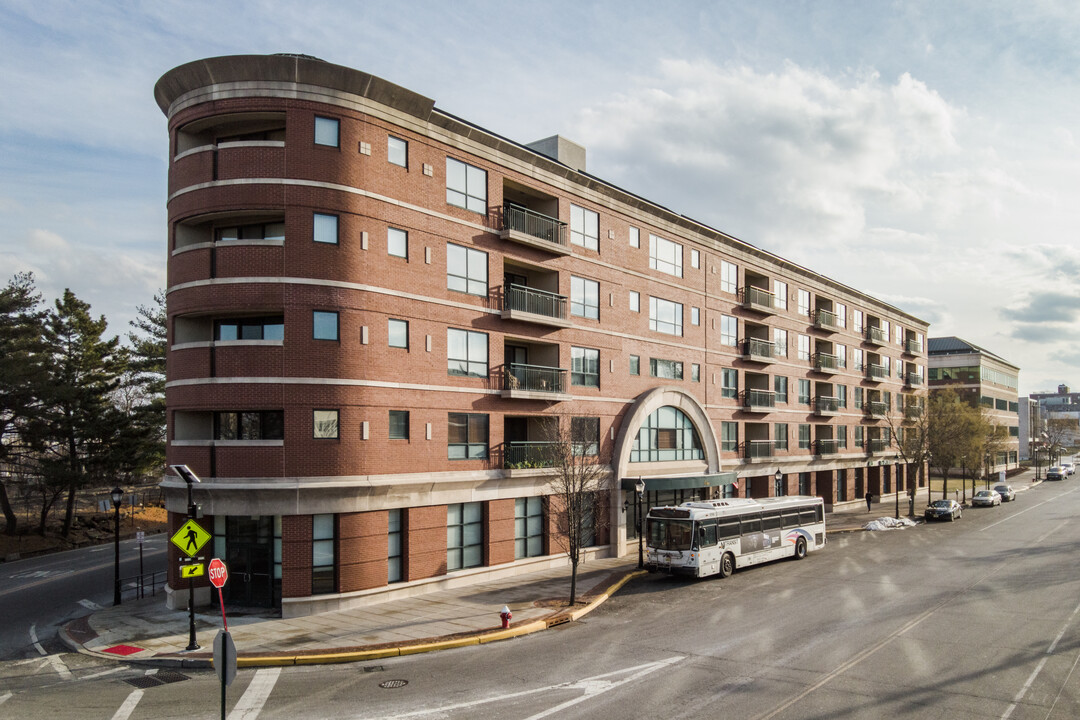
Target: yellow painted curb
[
  {"x": 263, "y": 661},
  {"x": 357, "y": 656},
  {"x": 513, "y": 632},
  {"x": 442, "y": 645},
  {"x": 576, "y": 614}
]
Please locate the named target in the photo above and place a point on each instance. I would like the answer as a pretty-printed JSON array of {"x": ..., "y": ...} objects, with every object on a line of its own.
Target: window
[
  {"x": 584, "y": 367},
  {"x": 841, "y": 356},
  {"x": 695, "y": 372},
  {"x": 327, "y": 131},
  {"x": 464, "y": 535},
  {"x": 804, "y": 391},
  {"x": 1014, "y": 431},
  {"x": 665, "y": 316},
  {"x": 667, "y": 434},
  {"x": 857, "y": 321},
  {"x": 780, "y": 387},
  {"x": 397, "y": 242},
  {"x": 399, "y": 425},
  {"x": 779, "y": 342},
  {"x": 466, "y": 270},
  {"x": 695, "y": 316},
  {"x": 394, "y": 544},
  {"x": 584, "y": 298},
  {"x": 397, "y": 151},
  {"x": 729, "y": 277},
  {"x": 665, "y": 256},
  {"x": 858, "y": 401},
  {"x": 857, "y": 440},
  {"x": 695, "y": 258},
  {"x": 467, "y": 436},
  {"x": 325, "y": 424},
  {"x": 584, "y": 228},
  {"x": 398, "y": 332},
  {"x": 668, "y": 369},
  {"x": 856, "y": 359},
  {"x": 585, "y": 436},
  {"x": 635, "y": 301},
  {"x": 729, "y": 436},
  {"x": 466, "y": 186},
  {"x": 885, "y": 330},
  {"x": 899, "y": 334},
  {"x": 729, "y": 383},
  {"x": 635, "y": 365},
  {"x": 729, "y": 331},
  {"x": 325, "y": 229},
  {"x": 255, "y": 328},
  {"x": 885, "y": 361},
  {"x": 635, "y": 237},
  {"x": 804, "y": 436},
  {"x": 1000, "y": 404},
  {"x": 324, "y": 325},
  {"x": 528, "y": 527},
  {"x": 249, "y": 425},
  {"x": 780, "y": 436},
  {"x": 255, "y": 231},
  {"x": 322, "y": 554},
  {"x": 841, "y": 437},
  {"x": 841, "y": 396},
  {"x": 466, "y": 353},
  {"x": 804, "y": 302},
  {"x": 841, "y": 315},
  {"x": 780, "y": 295},
  {"x": 804, "y": 347}
]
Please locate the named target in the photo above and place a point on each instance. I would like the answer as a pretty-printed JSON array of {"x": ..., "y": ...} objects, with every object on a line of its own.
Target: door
[{"x": 249, "y": 557}]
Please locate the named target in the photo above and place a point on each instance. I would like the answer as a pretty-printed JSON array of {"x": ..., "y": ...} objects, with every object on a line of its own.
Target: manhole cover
[
  {"x": 393, "y": 684},
  {"x": 170, "y": 676},
  {"x": 144, "y": 681}
]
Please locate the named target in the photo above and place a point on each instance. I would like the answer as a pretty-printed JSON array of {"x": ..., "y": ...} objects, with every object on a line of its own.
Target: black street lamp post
[
  {"x": 190, "y": 479},
  {"x": 640, "y": 487},
  {"x": 896, "y": 483},
  {"x": 117, "y": 496}
]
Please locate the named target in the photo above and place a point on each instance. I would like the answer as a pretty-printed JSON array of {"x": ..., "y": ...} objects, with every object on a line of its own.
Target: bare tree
[
  {"x": 910, "y": 430},
  {"x": 953, "y": 426},
  {"x": 581, "y": 479},
  {"x": 1057, "y": 434}
]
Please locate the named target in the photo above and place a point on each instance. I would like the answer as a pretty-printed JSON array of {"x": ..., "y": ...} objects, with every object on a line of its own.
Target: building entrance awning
[{"x": 683, "y": 482}]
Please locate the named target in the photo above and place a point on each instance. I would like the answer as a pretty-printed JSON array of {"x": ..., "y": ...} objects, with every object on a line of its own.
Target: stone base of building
[{"x": 178, "y": 599}]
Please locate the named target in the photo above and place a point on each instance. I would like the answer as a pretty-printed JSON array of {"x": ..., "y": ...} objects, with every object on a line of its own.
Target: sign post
[
  {"x": 224, "y": 648},
  {"x": 189, "y": 539}
]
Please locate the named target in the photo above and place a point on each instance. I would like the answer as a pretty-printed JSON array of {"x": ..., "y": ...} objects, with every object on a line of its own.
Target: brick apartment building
[{"x": 377, "y": 311}]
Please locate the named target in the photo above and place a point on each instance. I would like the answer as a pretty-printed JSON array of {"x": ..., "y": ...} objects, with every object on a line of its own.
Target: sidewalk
[{"x": 145, "y": 631}]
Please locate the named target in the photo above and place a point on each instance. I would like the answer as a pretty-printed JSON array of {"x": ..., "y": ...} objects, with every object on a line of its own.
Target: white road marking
[
  {"x": 89, "y": 604},
  {"x": 34, "y": 639},
  {"x": 4, "y": 698},
  {"x": 1038, "y": 668},
  {"x": 1021, "y": 512},
  {"x": 59, "y": 666},
  {"x": 258, "y": 692},
  {"x": 103, "y": 673},
  {"x": 125, "y": 710},
  {"x": 592, "y": 686}
]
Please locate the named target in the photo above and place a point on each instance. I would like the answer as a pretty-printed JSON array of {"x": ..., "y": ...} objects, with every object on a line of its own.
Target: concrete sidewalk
[{"x": 145, "y": 631}]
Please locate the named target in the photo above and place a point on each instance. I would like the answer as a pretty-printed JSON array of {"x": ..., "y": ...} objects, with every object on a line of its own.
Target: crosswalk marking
[
  {"x": 125, "y": 710},
  {"x": 258, "y": 692}
]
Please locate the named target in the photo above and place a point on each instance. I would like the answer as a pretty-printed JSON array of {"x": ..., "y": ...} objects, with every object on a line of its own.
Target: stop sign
[{"x": 218, "y": 572}]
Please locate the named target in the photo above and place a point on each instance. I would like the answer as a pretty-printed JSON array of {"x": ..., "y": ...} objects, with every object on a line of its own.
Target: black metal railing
[
  {"x": 876, "y": 334},
  {"x": 757, "y": 449},
  {"x": 825, "y": 319},
  {"x": 825, "y": 361},
  {"x": 535, "y": 378},
  {"x": 139, "y": 585},
  {"x": 912, "y": 347},
  {"x": 751, "y": 295},
  {"x": 537, "y": 302},
  {"x": 534, "y": 224},
  {"x": 876, "y": 372},
  {"x": 828, "y": 447},
  {"x": 761, "y": 349},
  {"x": 529, "y": 454},
  {"x": 759, "y": 398},
  {"x": 876, "y": 409},
  {"x": 876, "y": 445},
  {"x": 825, "y": 404},
  {"x": 914, "y": 379}
]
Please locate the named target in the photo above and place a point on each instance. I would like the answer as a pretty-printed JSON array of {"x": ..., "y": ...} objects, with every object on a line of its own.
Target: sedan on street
[
  {"x": 1055, "y": 473},
  {"x": 1006, "y": 492},
  {"x": 943, "y": 509},
  {"x": 1068, "y": 467},
  {"x": 986, "y": 498}
]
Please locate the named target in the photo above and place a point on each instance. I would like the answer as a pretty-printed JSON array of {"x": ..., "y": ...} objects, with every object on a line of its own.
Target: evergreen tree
[{"x": 143, "y": 393}]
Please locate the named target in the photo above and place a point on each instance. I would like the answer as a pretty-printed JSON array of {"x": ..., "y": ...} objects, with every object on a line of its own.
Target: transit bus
[{"x": 714, "y": 537}]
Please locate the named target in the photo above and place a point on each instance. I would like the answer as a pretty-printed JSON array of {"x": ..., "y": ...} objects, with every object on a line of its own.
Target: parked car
[
  {"x": 1055, "y": 473},
  {"x": 1006, "y": 492},
  {"x": 1068, "y": 467},
  {"x": 941, "y": 509},
  {"x": 987, "y": 498}
]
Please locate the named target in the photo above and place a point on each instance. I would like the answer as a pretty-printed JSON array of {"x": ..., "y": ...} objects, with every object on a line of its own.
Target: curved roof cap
[{"x": 286, "y": 68}]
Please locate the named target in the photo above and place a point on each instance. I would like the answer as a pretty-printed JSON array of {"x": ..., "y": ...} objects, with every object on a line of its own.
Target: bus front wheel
[
  {"x": 727, "y": 565},
  {"x": 800, "y": 548}
]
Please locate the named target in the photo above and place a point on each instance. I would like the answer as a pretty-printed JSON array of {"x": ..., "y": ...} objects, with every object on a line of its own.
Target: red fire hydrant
[{"x": 505, "y": 614}]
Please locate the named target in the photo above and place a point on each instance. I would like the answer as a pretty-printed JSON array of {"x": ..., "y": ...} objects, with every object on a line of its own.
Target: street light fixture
[
  {"x": 779, "y": 478},
  {"x": 640, "y": 487},
  {"x": 117, "y": 496}
]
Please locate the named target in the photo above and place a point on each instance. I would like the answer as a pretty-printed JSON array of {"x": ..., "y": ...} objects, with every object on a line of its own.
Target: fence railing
[
  {"x": 534, "y": 224},
  {"x": 537, "y": 302},
  {"x": 535, "y": 378}
]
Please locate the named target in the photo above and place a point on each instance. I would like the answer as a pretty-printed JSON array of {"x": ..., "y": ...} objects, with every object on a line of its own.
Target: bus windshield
[{"x": 671, "y": 534}]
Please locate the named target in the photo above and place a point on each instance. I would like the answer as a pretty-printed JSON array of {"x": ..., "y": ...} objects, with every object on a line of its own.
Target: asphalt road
[{"x": 974, "y": 619}]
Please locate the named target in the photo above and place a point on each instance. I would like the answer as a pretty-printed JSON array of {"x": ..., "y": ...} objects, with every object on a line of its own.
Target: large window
[
  {"x": 857, "y": 400},
  {"x": 322, "y": 554},
  {"x": 804, "y": 436},
  {"x": 584, "y": 367},
  {"x": 584, "y": 228},
  {"x": 466, "y": 353},
  {"x": 397, "y": 242},
  {"x": 528, "y": 527},
  {"x": 841, "y": 314},
  {"x": 804, "y": 302},
  {"x": 729, "y": 277},
  {"x": 729, "y": 436},
  {"x": 635, "y": 364},
  {"x": 779, "y": 342},
  {"x": 325, "y": 228},
  {"x": 466, "y": 186},
  {"x": 254, "y": 231},
  {"x": 399, "y": 425},
  {"x": 635, "y": 301},
  {"x": 394, "y": 547},
  {"x": 584, "y": 298},
  {"x": 780, "y": 436},
  {"x": 841, "y": 396},
  {"x": 397, "y": 151},
  {"x": 856, "y": 359},
  {"x": 467, "y": 436},
  {"x": 665, "y": 316},
  {"x": 665, "y": 256},
  {"x": 254, "y": 328},
  {"x": 668, "y": 369},
  {"x": 857, "y": 321},
  {"x": 729, "y": 331},
  {"x": 327, "y": 131},
  {"x": 249, "y": 425},
  {"x": 398, "y": 333},
  {"x": 667, "y": 434},
  {"x": 325, "y": 424},
  {"x": 804, "y": 347},
  {"x": 779, "y": 295},
  {"x": 729, "y": 383},
  {"x": 585, "y": 435},
  {"x": 780, "y": 386},
  {"x": 857, "y": 438},
  {"x": 324, "y": 325},
  {"x": 804, "y": 391},
  {"x": 464, "y": 535},
  {"x": 466, "y": 270}
]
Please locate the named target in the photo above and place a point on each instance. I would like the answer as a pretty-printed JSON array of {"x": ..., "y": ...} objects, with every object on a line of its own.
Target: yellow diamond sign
[{"x": 190, "y": 538}]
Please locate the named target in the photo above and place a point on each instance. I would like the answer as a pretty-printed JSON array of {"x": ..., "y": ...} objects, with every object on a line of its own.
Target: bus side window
[
  {"x": 751, "y": 524},
  {"x": 770, "y": 520},
  {"x": 791, "y": 518},
  {"x": 707, "y": 535},
  {"x": 727, "y": 530},
  {"x": 808, "y": 516}
]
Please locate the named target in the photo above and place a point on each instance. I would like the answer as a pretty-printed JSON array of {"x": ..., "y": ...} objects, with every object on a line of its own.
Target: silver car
[
  {"x": 987, "y": 498},
  {"x": 1006, "y": 492}
]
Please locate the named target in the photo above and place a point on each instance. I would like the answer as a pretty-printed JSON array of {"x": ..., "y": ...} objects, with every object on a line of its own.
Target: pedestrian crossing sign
[
  {"x": 193, "y": 570},
  {"x": 190, "y": 538}
]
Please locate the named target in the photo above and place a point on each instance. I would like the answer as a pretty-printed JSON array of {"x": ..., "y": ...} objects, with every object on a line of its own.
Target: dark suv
[{"x": 1055, "y": 473}]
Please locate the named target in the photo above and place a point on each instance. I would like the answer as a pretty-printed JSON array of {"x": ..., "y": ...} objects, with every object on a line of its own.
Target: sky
[{"x": 923, "y": 152}]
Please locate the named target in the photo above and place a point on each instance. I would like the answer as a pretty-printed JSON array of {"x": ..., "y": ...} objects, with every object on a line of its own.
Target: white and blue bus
[{"x": 715, "y": 537}]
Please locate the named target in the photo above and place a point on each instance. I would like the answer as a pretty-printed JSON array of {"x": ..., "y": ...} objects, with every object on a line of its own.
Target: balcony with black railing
[
  {"x": 826, "y": 446},
  {"x": 535, "y": 306},
  {"x": 758, "y": 350},
  {"x": 877, "y": 373},
  {"x": 826, "y": 320},
  {"x": 759, "y": 449},
  {"x": 755, "y": 298},
  {"x": 876, "y": 409},
  {"x": 528, "y": 227},
  {"x": 912, "y": 347},
  {"x": 529, "y": 454},
  {"x": 759, "y": 400},
  {"x": 826, "y": 363},
  {"x": 825, "y": 406},
  {"x": 876, "y": 335},
  {"x": 913, "y": 379},
  {"x": 535, "y": 382},
  {"x": 877, "y": 445}
]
